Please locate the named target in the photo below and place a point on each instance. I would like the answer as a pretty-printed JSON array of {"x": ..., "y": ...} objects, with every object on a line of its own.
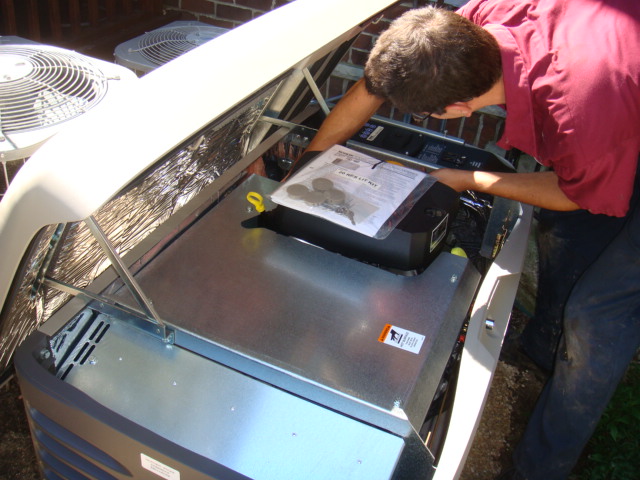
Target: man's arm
[
  {"x": 537, "y": 188},
  {"x": 346, "y": 118}
]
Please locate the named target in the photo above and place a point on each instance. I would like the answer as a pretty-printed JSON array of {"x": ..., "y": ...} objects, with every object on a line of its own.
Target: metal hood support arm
[{"x": 123, "y": 272}]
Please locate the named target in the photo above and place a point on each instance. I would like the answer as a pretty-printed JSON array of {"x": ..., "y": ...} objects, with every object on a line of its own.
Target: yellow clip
[
  {"x": 458, "y": 251},
  {"x": 256, "y": 200}
]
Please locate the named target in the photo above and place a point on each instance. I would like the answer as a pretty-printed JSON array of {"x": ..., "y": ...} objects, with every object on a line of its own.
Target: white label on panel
[
  {"x": 401, "y": 338},
  {"x": 159, "y": 468},
  {"x": 375, "y": 134}
]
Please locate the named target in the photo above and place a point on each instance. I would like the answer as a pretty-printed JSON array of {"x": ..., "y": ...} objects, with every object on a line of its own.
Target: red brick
[
  {"x": 433, "y": 124},
  {"x": 385, "y": 109},
  {"x": 217, "y": 23},
  {"x": 264, "y": 5},
  {"x": 378, "y": 27},
  {"x": 395, "y": 11},
  {"x": 363, "y": 42},
  {"x": 333, "y": 87},
  {"x": 388, "y": 15},
  {"x": 337, "y": 86},
  {"x": 236, "y": 14},
  {"x": 256, "y": 14},
  {"x": 491, "y": 130},
  {"x": 359, "y": 57},
  {"x": 397, "y": 115},
  {"x": 199, "y": 6}
]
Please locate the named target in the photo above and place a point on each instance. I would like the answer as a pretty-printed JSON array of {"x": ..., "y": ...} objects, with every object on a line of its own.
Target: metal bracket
[
  {"x": 278, "y": 122},
  {"x": 134, "y": 317},
  {"x": 46, "y": 260},
  {"x": 316, "y": 91},
  {"x": 121, "y": 269}
]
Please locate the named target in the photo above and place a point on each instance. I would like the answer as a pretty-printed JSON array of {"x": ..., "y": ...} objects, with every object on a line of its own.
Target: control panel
[{"x": 408, "y": 143}]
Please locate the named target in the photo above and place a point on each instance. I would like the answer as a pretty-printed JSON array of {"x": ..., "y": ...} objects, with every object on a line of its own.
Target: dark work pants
[
  {"x": 568, "y": 242},
  {"x": 600, "y": 337}
]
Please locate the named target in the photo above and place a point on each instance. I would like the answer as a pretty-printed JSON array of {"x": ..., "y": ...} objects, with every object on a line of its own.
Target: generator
[{"x": 163, "y": 325}]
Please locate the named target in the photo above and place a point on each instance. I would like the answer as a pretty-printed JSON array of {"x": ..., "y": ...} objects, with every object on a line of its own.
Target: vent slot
[
  {"x": 65, "y": 453},
  {"x": 55, "y": 469},
  {"x": 56, "y": 460},
  {"x": 74, "y": 350}
]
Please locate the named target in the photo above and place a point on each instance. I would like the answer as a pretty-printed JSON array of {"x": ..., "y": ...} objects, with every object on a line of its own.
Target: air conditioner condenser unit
[
  {"x": 157, "y": 47},
  {"x": 43, "y": 88}
]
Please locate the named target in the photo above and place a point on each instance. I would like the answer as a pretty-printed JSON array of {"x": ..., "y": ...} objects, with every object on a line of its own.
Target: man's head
[{"x": 430, "y": 58}]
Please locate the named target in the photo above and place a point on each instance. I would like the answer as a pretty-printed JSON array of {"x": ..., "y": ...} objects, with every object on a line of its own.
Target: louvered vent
[
  {"x": 42, "y": 88},
  {"x": 146, "y": 52},
  {"x": 75, "y": 344},
  {"x": 63, "y": 454}
]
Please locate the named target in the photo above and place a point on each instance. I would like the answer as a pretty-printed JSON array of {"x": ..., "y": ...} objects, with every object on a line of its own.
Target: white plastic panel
[{"x": 482, "y": 347}]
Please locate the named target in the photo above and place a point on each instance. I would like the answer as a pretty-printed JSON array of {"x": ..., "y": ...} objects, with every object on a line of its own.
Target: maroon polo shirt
[{"x": 571, "y": 72}]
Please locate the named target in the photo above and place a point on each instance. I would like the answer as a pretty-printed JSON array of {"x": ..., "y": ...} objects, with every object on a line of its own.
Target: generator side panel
[
  {"x": 102, "y": 422},
  {"x": 76, "y": 437}
]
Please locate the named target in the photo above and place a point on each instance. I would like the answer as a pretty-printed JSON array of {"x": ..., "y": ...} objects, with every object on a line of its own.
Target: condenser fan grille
[
  {"x": 163, "y": 45},
  {"x": 41, "y": 86}
]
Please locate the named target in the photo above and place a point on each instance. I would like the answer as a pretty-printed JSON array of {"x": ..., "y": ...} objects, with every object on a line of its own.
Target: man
[{"x": 568, "y": 74}]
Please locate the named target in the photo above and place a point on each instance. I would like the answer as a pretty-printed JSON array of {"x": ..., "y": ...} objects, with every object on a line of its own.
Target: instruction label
[
  {"x": 373, "y": 135},
  {"x": 401, "y": 338},
  {"x": 159, "y": 468}
]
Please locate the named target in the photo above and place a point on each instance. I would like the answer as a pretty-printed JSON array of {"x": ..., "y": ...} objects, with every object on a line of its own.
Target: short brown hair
[{"x": 430, "y": 58}]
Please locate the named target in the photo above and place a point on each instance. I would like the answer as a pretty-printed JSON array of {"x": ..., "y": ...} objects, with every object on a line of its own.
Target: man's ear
[
  {"x": 455, "y": 110},
  {"x": 459, "y": 109}
]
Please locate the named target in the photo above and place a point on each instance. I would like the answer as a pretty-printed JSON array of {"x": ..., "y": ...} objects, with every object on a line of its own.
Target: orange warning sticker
[
  {"x": 385, "y": 332},
  {"x": 401, "y": 338}
]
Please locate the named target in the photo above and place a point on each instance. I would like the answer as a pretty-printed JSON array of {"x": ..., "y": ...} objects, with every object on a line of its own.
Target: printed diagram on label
[{"x": 401, "y": 338}]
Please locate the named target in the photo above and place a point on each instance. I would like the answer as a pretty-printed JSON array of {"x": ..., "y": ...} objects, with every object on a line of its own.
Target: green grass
[{"x": 613, "y": 453}]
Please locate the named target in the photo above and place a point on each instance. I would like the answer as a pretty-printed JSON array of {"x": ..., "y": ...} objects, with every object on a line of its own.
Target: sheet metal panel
[
  {"x": 312, "y": 314},
  {"x": 243, "y": 424}
]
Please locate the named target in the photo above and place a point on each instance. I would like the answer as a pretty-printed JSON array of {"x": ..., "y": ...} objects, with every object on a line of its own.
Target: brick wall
[
  {"x": 231, "y": 13},
  {"x": 223, "y": 13},
  {"x": 480, "y": 129}
]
